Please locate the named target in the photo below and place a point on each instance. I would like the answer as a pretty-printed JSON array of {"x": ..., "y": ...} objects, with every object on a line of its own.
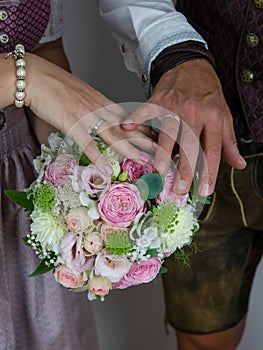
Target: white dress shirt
[{"x": 143, "y": 29}]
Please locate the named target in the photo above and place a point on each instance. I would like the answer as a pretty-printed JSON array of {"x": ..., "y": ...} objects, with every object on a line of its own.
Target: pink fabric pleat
[{"x": 35, "y": 313}]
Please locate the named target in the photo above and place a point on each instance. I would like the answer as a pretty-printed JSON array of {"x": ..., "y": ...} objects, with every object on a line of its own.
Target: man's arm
[{"x": 190, "y": 90}]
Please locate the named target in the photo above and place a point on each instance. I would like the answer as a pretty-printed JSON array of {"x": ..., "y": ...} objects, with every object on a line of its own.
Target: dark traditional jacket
[{"x": 233, "y": 30}]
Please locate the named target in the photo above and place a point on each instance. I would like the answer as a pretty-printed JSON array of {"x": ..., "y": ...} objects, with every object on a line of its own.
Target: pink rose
[
  {"x": 91, "y": 179},
  {"x": 113, "y": 267},
  {"x": 135, "y": 171},
  {"x": 68, "y": 278},
  {"x": 169, "y": 194},
  {"x": 139, "y": 273},
  {"x": 68, "y": 160},
  {"x": 99, "y": 285},
  {"x": 78, "y": 220},
  {"x": 92, "y": 243},
  {"x": 72, "y": 253},
  {"x": 57, "y": 172},
  {"x": 120, "y": 204}
]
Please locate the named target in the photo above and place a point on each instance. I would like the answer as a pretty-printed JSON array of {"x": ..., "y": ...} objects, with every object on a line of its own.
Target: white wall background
[{"x": 131, "y": 319}]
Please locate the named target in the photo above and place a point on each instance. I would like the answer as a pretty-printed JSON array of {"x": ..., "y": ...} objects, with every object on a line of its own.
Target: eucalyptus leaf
[
  {"x": 41, "y": 269},
  {"x": 155, "y": 184},
  {"x": 143, "y": 188},
  {"x": 20, "y": 198}
]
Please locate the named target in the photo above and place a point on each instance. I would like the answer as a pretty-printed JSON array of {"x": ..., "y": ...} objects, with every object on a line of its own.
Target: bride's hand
[{"x": 78, "y": 110}]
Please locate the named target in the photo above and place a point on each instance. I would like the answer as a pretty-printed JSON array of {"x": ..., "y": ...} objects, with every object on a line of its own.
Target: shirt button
[
  {"x": 246, "y": 76},
  {"x": 2, "y": 119},
  {"x": 259, "y": 4},
  {"x": 4, "y": 38},
  {"x": 251, "y": 40},
  {"x": 3, "y": 15},
  {"x": 144, "y": 78},
  {"x": 123, "y": 48}
]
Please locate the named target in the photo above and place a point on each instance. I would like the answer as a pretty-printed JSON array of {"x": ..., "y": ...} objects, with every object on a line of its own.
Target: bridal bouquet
[{"x": 97, "y": 232}]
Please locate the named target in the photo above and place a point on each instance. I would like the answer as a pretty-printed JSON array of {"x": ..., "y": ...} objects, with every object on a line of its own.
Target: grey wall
[{"x": 131, "y": 319}]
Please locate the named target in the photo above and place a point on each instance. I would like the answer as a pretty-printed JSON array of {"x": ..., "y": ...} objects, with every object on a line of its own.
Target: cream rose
[
  {"x": 99, "y": 285},
  {"x": 92, "y": 243},
  {"x": 78, "y": 220}
]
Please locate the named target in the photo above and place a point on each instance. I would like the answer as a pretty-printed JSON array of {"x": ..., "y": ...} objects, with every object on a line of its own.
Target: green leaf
[
  {"x": 25, "y": 241},
  {"x": 41, "y": 269},
  {"x": 84, "y": 160},
  {"x": 152, "y": 252},
  {"x": 20, "y": 198},
  {"x": 155, "y": 184},
  {"x": 123, "y": 176},
  {"x": 143, "y": 188},
  {"x": 163, "y": 270}
]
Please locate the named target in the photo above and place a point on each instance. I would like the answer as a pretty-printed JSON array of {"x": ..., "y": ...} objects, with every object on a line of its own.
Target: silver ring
[
  {"x": 97, "y": 126},
  {"x": 173, "y": 116}
]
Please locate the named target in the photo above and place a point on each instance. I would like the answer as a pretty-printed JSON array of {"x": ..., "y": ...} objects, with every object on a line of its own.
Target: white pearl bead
[
  {"x": 20, "y": 62},
  {"x": 20, "y": 47},
  {"x": 21, "y": 84},
  {"x": 19, "y": 104},
  {"x": 20, "y": 95},
  {"x": 21, "y": 73}
]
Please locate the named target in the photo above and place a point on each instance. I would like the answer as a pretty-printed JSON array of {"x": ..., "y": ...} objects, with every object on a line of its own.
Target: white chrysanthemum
[
  {"x": 111, "y": 153},
  {"x": 47, "y": 230},
  {"x": 115, "y": 166},
  {"x": 180, "y": 231}
]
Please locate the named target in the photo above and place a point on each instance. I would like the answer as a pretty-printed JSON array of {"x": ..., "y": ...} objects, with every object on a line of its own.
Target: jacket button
[
  {"x": 4, "y": 38},
  {"x": 251, "y": 40},
  {"x": 3, "y": 15},
  {"x": 2, "y": 119},
  {"x": 259, "y": 4},
  {"x": 246, "y": 76}
]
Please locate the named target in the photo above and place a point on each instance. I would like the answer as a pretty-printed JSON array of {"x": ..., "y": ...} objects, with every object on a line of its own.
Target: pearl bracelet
[{"x": 18, "y": 55}]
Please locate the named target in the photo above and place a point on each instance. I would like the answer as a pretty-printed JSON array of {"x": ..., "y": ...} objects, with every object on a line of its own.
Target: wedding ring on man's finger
[
  {"x": 97, "y": 126},
  {"x": 173, "y": 116}
]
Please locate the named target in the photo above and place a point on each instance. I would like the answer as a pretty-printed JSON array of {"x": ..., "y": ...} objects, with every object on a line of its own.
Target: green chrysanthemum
[
  {"x": 165, "y": 216},
  {"x": 44, "y": 198},
  {"x": 118, "y": 243}
]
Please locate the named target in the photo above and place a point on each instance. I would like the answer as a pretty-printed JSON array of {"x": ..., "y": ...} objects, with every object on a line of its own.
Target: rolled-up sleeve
[{"x": 144, "y": 28}]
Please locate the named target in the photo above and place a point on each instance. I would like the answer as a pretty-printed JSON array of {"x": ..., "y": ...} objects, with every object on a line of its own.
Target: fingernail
[
  {"x": 205, "y": 190},
  {"x": 128, "y": 121},
  {"x": 108, "y": 169},
  {"x": 181, "y": 186},
  {"x": 241, "y": 160},
  {"x": 155, "y": 145},
  {"x": 161, "y": 167},
  {"x": 144, "y": 157}
]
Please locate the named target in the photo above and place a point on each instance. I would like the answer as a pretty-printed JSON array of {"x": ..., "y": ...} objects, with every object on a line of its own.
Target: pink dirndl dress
[{"x": 35, "y": 313}]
